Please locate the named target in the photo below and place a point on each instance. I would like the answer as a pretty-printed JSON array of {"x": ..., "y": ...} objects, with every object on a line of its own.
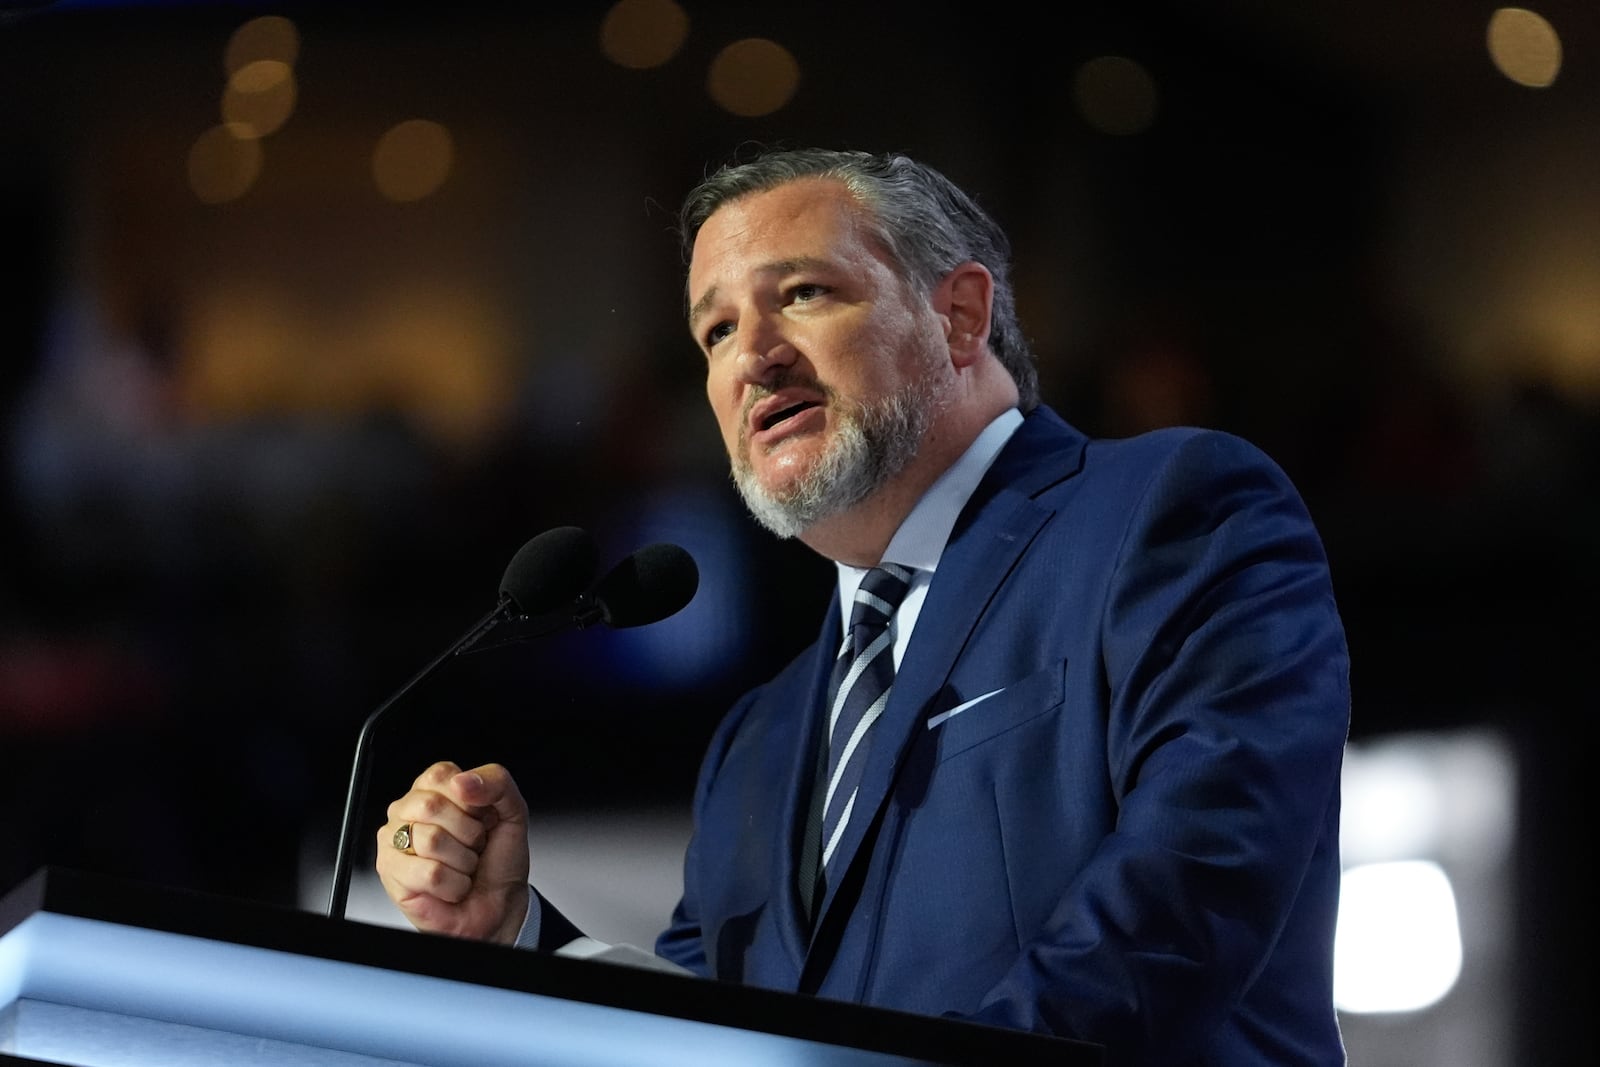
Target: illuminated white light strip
[{"x": 98, "y": 967}]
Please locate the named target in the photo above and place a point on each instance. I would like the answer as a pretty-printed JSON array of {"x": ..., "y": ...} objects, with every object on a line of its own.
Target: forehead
[{"x": 808, "y": 218}]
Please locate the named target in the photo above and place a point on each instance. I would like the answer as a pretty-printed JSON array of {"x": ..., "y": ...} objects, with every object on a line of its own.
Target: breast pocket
[{"x": 969, "y": 722}]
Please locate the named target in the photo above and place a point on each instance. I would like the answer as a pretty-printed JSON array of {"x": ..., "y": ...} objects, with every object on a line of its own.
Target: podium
[{"x": 99, "y": 972}]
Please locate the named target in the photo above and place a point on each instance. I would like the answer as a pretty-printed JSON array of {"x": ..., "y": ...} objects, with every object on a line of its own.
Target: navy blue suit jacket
[{"x": 1133, "y": 840}]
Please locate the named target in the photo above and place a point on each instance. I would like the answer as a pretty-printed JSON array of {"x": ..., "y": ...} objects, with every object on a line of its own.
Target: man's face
[{"x": 823, "y": 366}]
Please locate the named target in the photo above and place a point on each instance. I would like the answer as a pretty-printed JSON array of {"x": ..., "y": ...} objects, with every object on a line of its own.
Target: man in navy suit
[{"x": 1100, "y": 798}]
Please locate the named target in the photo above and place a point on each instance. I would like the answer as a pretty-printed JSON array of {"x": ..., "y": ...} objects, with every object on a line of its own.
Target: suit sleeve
[
  {"x": 545, "y": 929},
  {"x": 1225, "y": 675}
]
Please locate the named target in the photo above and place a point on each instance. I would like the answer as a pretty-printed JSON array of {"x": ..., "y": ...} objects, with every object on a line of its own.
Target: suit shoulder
[{"x": 1183, "y": 451}]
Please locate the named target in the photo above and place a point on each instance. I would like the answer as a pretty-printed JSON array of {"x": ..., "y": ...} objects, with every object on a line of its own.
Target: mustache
[{"x": 783, "y": 378}]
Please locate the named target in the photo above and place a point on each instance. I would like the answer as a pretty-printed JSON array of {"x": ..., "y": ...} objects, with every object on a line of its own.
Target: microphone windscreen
[
  {"x": 654, "y": 582},
  {"x": 550, "y": 570}
]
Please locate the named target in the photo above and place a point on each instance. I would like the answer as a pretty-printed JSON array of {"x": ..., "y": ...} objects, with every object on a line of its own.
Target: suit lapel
[
  {"x": 797, "y": 741},
  {"x": 994, "y": 529}
]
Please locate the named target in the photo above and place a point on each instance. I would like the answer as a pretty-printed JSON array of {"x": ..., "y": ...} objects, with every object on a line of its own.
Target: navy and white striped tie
[{"x": 860, "y": 685}]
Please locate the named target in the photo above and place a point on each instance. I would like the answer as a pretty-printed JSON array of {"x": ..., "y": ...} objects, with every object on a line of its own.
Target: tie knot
[{"x": 879, "y": 595}]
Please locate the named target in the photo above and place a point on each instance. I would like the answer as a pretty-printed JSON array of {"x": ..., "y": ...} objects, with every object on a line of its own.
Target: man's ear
[{"x": 964, "y": 298}]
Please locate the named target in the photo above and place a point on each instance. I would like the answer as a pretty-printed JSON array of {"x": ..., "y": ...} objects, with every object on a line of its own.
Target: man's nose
[{"x": 764, "y": 347}]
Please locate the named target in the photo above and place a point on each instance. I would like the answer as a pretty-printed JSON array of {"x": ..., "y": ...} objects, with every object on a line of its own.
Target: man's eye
[
  {"x": 718, "y": 332},
  {"x": 808, "y": 291}
]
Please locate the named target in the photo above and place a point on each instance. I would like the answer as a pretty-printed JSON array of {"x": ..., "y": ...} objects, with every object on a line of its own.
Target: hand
[{"x": 469, "y": 833}]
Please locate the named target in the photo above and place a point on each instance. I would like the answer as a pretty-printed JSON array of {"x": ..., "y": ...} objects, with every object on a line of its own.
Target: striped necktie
[{"x": 859, "y": 688}]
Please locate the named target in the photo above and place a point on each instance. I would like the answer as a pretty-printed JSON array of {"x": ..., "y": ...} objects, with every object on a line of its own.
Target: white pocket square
[{"x": 959, "y": 708}]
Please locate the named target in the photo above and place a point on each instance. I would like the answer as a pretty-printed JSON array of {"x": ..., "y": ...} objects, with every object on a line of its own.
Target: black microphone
[
  {"x": 655, "y": 582},
  {"x": 550, "y": 570},
  {"x": 545, "y": 574}
]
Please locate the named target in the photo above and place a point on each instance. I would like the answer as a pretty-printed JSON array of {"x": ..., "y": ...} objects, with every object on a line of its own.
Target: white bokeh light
[{"x": 1398, "y": 946}]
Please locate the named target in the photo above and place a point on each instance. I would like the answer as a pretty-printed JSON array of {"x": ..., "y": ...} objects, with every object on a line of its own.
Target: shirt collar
[{"x": 920, "y": 540}]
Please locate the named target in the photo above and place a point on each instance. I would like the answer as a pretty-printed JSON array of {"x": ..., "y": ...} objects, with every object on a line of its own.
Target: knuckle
[
  {"x": 439, "y": 772},
  {"x": 433, "y": 805},
  {"x": 441, "y": 881}
]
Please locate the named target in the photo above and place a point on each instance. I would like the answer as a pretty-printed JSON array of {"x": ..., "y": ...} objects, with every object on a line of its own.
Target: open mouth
[{"x": 783, "y": 414}]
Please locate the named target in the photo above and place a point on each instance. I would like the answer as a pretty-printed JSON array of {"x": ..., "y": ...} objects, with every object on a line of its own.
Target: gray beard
[{"x": 870, "y": 445}]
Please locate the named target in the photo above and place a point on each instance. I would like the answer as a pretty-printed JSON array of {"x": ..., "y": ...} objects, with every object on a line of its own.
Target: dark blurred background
[{"x": 316, "y": 312}]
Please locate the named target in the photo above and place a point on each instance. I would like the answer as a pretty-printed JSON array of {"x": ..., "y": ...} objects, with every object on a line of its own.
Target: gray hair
[{"x": 927, "y": 224}]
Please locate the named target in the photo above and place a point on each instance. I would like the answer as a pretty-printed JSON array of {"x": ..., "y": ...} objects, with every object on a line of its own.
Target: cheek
[
  {"x": 879, "y": 366},
  {"x": 725, "y": 408}
]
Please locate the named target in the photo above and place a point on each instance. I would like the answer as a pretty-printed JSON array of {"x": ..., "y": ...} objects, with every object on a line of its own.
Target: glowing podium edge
[{"x": 85, "y": 959}]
